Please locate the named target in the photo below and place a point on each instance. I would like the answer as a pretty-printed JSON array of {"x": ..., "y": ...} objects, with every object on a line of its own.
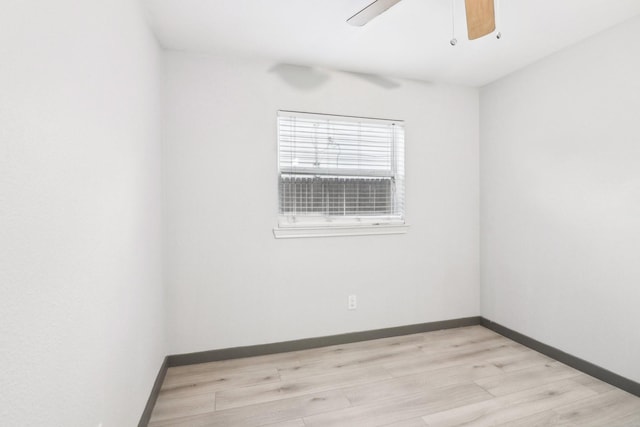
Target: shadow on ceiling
[
  {"x": 309, "y": 78},
  {"x": 300, "y": 77},
  {"x": 383, "y": 82}
]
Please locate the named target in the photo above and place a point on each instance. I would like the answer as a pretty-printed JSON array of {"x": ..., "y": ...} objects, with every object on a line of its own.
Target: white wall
[
  {"x": 560, "y": 207},
  {"x": 231, "y": 283},
  {"x": 81, "y": 298}
]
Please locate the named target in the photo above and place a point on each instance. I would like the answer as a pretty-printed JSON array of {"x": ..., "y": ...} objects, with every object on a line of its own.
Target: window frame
[{"x": 291, "y": 226}]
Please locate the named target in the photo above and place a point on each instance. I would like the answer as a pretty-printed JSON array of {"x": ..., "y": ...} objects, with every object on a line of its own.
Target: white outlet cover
[{"x": 352, "y": 302}]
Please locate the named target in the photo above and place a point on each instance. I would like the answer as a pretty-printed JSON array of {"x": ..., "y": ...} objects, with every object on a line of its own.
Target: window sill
[{"x": 335, "y": 231}]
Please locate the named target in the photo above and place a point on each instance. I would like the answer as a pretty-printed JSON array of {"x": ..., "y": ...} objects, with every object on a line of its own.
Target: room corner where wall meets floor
[{"x": 560, "y": 229}]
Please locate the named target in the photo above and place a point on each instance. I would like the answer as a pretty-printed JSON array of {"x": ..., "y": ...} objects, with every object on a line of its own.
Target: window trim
[{"x": 293, "y": 232}]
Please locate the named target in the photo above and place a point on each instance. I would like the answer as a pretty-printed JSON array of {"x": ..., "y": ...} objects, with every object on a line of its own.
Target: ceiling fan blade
[
  {"x": 371, "y": 11},
  {"x": 481, "y": 18}
]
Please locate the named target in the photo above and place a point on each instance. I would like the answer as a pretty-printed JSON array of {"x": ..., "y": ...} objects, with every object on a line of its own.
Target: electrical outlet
[{"x": 353, "y": 303}]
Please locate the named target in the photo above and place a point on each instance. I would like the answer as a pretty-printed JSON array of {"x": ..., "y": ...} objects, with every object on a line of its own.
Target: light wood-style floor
[{"x": 466, "y": 376}]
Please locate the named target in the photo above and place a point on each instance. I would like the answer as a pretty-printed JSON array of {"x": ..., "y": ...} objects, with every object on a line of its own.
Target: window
[{"x": 339, "y": 175}]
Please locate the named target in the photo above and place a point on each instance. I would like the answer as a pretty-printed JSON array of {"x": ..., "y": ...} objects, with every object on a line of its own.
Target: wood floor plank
[
  {"x": 413, "y": 422},
  {"x": 463, "y": 342},
  {"x": 268, "y": 392},
  {"x": 630, "y": 420},
  {"x": 264, "y": 413},
  {"x": 512, "y": 406},
  {"x": 541, "y": 419},
  {"x": 525, "y": 359},
  {"x": 292, "y": 423},
  {"x": 430, "y": 362},
  {"x": 270, "y": 361},
  {"x": 593, "y": 383},
  {"x": 166, "y": 409},
  {"x": 363, "y": 358},
  {"x": 209, "y": 382},
  {"x": 475, "y": 331},
  {"x": 598, "y": 410},
  {"x": 357, "y": 348},
  {"x": 410, "y": 384},
  {"x": 401, "y": 408},
  {"x": 310, "y": 369},
  {"x": 523, "y": 379}
]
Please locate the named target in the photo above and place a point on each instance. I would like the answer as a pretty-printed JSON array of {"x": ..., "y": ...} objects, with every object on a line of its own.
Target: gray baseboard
[
  {"x": 575, "y": 362},
  {"x": 151, "y": 402},
  {"x": 308, "y": 343}
]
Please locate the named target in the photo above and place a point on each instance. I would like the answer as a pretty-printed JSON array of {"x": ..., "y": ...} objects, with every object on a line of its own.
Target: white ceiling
[{"x": 410, "y": 40}]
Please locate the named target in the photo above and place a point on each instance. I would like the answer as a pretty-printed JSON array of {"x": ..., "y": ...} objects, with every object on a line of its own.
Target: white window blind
[{"x": 340, "y": 170}]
